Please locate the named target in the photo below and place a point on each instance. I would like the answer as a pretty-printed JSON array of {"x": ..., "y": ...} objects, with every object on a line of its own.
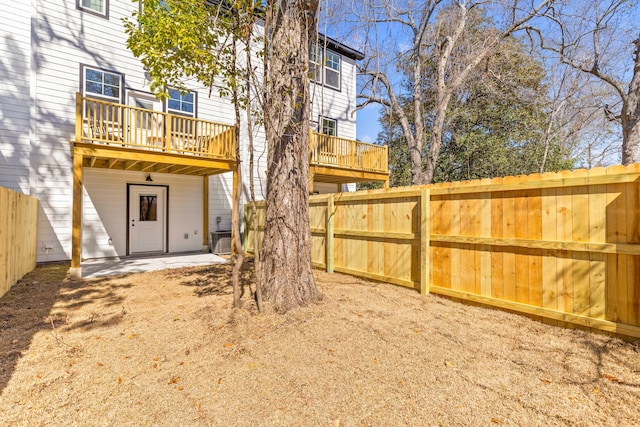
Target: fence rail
[
  {"x": 127, "y": 126},
  {"x": 563, "y": 246},
  {"x": 18, "y": 223}
]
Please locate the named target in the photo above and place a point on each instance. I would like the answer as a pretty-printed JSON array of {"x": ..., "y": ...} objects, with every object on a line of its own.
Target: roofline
[
  {"x": 332, "y": 44},
  {"x": 341, "y": 48}
]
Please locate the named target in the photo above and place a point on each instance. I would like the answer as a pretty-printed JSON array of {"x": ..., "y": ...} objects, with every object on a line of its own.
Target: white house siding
[
  {"x": 337, "y": 105},
  {"x": 104, "y": 226},
  {"x": 15, "y": 94},
  {"x": 42, "y": 46},
  {"x": 65, "y": 39}
]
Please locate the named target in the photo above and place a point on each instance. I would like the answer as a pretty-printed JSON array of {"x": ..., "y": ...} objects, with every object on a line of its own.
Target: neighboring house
[{"x": 149, "y": 176}]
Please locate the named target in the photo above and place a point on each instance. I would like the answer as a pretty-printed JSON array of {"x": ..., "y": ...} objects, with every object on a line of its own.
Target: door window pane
[{"x": 149, "y": 208}]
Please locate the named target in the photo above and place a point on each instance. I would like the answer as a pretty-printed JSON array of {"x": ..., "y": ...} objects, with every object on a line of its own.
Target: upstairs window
[
  {"x": 181, "y": 103},
  {"x": 325, "y": 66},
  {"x": 328, "y": 126},
  {"x": 97, "y": 7},
  {"x": 102, "y": 84}
]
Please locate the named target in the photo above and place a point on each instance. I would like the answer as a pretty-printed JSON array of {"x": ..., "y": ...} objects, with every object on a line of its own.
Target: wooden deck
[
  {"x": 340, "y": 160},
  {"x": 123, "y": 137}
]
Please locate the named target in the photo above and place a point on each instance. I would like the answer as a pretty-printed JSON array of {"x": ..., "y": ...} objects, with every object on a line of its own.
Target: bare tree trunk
[
  {"x": 236, "y": 244},
  {"x": 630, "y": 116},
  {"x": 286, "y": 273},
  {"x": 252, "y": 185}
]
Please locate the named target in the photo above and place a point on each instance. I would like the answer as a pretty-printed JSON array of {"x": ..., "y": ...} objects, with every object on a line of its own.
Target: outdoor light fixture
[{"x": 149, "y": 178}]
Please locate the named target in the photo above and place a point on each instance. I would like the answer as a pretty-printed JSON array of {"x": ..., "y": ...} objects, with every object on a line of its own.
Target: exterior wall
[
  {"x": 337, "y": 105},
  {"x": 15, "y": 95},
  {"x": 65, "y": 39},
  {"x": 43, "y": 44},
  {"x": 104, "y": 226}
]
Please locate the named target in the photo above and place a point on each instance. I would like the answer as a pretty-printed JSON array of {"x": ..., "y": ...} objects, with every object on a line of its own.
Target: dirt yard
[{"x": 165, "y": 348}]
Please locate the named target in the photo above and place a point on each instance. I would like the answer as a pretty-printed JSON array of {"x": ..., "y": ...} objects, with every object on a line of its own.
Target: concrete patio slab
[{"x": 117, "y": 266}]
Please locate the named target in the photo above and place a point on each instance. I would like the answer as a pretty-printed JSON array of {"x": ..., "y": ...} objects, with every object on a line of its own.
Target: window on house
[
  {"x": 181, "y": 103},
  {"x": 103, "y": 115},
  {"x": 324, "y": 66},
  {"x": 102, "y": 84},
  {"x": 99, "y": 7},
  {"x": 328, "y": 126}
]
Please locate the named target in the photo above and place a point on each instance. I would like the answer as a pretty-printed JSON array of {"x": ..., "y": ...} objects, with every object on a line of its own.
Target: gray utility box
[{"x": 220, "y": 242}]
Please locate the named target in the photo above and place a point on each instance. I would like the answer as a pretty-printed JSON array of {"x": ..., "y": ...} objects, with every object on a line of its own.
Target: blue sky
[{"x": 367, "y": 125}]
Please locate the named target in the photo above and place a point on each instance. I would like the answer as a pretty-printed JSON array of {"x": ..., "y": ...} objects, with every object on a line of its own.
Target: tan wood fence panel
[
  {"x": 563, "y": 246},
  {"x": 18, "y": 224}
]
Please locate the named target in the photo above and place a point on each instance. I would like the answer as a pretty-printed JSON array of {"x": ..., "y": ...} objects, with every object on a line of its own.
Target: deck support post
[
  {"x": 205, "y": 213},
  {"x": 311, "y": 177},
  {"x": 236, "y": 188},
  {"x": 76, "y": 233}
]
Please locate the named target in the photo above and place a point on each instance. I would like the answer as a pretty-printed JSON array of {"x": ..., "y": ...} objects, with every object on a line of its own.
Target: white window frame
[
  {"x": 320, "y": 60},
  {"x": 181, "y": 112},
  {"x": 104, "y": 11},
  {"x": 101, "y": 96},
  {"x": 324, "y": 120}
]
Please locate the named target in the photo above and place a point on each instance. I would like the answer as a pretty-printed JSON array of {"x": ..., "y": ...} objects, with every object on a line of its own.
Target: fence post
[
  {"x": 329, "y": 238},
  {"x": 425, "y": 196}
]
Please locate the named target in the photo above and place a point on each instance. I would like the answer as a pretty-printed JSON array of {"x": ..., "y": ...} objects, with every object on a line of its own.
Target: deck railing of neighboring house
[
  {"x": 346, "y": 153},
  {"x": 120, "y": 125}
]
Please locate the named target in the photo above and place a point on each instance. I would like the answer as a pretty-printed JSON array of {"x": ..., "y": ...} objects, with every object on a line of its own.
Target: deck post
[
  {"x": 167, "y": 132},
  {"x": 236, "y": 188},
  {"x": 330, "y": 231},
  {"x": 78, "y": 117},
  {"x": 76, "y": 233},
  {"x": 311, "y": 177},
  {"x": 205, "y": 212},
  {"x": 425, "y": 197}
]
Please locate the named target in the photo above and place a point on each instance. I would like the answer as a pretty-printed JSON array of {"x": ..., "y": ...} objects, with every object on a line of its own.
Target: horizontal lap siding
[
  {"x": 66, "y": 38},
  {"x": 338, "y": 105},
  {"x": 15, "y": 91},
  {"x": 105, "y": 211}
]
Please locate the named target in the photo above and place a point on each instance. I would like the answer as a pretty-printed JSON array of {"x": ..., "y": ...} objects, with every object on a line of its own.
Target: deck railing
[
  {"x": 127, "y": 126},
  {"x": 346, "y": 153}
]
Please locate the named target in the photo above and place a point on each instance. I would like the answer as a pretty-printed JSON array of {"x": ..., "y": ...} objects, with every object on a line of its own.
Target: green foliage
[
  {"x": 495, "y": 126},
  {"x": 180, "y": 39}
]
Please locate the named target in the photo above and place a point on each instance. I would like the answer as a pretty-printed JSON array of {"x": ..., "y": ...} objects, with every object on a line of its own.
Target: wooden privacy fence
[
  {"x": 563, "y": 246},
  {"x": 18, "y": 224}
]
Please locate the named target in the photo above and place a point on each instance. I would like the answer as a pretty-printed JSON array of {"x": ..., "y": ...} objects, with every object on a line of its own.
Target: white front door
[{"x": 147, "y": 218}]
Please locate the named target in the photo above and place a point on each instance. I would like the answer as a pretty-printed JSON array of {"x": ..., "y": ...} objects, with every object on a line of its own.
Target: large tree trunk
[
  {"x": 286, "y": 273},
  {"x": 630, "y": 116}
]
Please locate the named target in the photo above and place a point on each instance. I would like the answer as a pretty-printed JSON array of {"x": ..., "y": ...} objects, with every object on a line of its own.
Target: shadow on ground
[
  {"x": 36, "y": 304},
  {"x": 215, "y": 279}
]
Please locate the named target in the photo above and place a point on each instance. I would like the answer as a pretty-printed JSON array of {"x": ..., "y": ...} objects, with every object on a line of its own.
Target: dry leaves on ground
[{"x": 165, "y": 348}]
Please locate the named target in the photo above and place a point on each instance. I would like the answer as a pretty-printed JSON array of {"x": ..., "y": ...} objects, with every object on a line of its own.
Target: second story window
[
  {"x": 328, "y": 126},
  {"x": 325, "y": 66},
  {"x": 97, "y": 7},
  {"x": 102, "y": 84},
  {"x": 181, "y": 103}
]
